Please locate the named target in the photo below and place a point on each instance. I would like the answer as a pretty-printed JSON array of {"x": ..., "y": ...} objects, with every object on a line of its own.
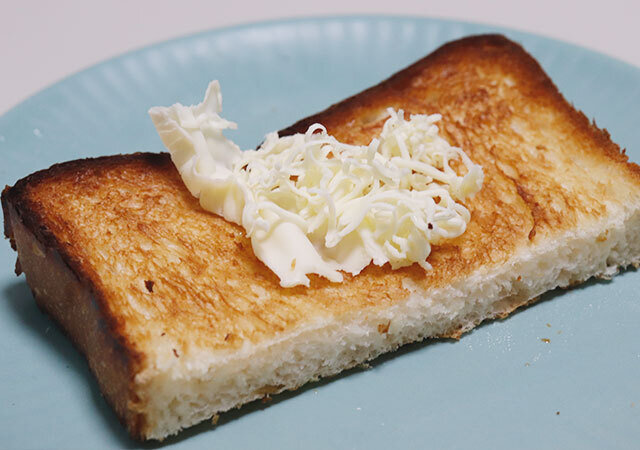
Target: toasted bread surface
[{"x": 171, "y": 279}]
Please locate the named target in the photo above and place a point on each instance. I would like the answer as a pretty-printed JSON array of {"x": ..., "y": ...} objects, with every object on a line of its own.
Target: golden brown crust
[
  {"x": 122, "y": 223},
  {"x": 34, "y": 218},
  {"x": 64, "y": 288},
  {"x": 484, "y": 50},
  {"x": 70, "y": 303}
]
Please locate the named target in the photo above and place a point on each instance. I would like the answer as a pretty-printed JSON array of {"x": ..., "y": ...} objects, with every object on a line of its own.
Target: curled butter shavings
[{"x": 312, "y": 204}]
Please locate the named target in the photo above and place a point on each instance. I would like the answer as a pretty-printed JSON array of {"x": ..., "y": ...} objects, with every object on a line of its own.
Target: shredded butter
[{"x": 312, "y": 204}]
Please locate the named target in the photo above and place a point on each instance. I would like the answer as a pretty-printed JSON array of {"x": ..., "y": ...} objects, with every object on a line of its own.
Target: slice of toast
[{"x": 180, "y": 321}]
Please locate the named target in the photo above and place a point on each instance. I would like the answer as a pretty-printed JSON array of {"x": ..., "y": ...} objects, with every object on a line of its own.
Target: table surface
[{"x": 42, "y": 42}]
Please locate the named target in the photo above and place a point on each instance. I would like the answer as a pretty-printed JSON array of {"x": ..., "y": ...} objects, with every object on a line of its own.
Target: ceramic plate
[{"x": 500, "y": 386}]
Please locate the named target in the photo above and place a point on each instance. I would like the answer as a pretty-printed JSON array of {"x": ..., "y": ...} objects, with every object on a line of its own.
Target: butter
[{"x": 311, "y": 204}]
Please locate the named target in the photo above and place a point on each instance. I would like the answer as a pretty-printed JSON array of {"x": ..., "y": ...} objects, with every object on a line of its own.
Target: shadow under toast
[{"x": 23, "y": 306}]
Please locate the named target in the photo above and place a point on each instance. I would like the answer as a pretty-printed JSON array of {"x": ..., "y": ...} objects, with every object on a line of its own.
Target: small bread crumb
[
  {"x": 545, "y": 340},
  {"x": 557, "y": 413},
  {"x": 383, "y": 328},
  {"x": 215, "y": 418}
]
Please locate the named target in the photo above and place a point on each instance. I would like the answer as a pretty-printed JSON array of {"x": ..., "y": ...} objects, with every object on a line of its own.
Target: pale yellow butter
[{"x": 311, "y": 204}]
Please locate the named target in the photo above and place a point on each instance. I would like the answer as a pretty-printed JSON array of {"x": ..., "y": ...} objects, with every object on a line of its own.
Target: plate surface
[{"x": 500, "y": 386}]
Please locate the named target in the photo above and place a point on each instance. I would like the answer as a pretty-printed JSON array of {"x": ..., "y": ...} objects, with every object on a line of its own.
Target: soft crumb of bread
[{"x": 325, "y": 348}]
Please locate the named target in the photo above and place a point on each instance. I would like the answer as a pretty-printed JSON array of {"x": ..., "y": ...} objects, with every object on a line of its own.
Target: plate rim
[{"x": 624, "y": 65}]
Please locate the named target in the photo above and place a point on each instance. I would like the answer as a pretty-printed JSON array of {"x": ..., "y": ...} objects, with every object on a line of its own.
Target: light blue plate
[{"x": 500, "y": 386}]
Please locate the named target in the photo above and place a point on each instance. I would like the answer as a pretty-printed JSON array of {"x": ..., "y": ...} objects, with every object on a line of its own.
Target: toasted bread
[{"x": 178, "y": 319}]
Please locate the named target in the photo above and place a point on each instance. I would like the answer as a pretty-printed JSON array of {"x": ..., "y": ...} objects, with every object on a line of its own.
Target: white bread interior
[{"x": 203, "y": 383}]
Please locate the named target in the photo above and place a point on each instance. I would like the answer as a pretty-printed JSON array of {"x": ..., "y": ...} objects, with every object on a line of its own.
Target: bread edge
[
  {"x": 494, "y": 45},
  {"x": 55, "y": 274}
]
